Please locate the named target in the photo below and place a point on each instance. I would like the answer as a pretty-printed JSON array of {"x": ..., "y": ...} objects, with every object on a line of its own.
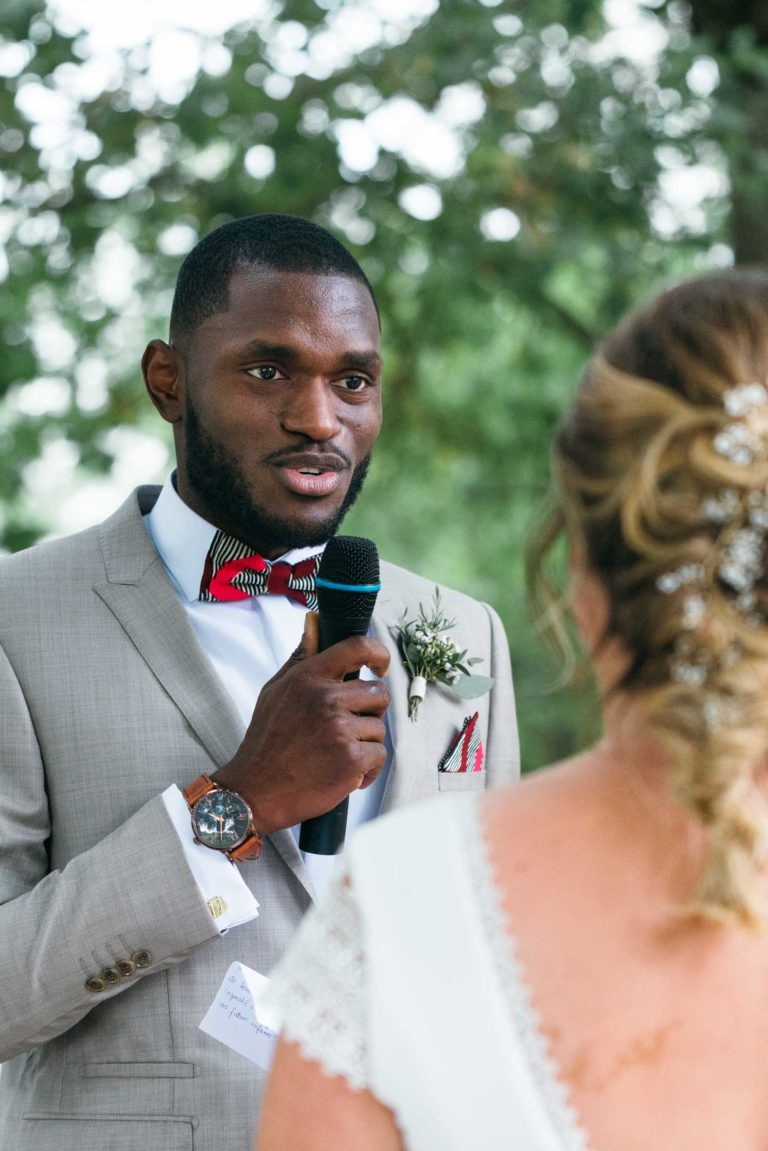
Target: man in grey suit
[{"x": 143, "y": 685}]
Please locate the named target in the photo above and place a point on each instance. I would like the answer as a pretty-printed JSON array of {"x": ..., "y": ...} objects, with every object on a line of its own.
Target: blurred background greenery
[{"x": 511, "y": 176}]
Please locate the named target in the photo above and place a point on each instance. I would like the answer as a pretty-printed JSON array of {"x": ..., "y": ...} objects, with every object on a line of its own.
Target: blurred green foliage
[{"x": 539, "y": 122}]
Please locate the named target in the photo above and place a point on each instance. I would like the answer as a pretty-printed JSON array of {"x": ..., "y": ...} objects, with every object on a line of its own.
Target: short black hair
[{"x": 271, "y": 239}]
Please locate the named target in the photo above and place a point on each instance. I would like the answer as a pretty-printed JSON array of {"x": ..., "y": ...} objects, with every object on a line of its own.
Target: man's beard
[{"x": 220, "y": 482}]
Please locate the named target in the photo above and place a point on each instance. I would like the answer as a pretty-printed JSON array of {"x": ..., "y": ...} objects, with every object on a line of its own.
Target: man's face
[{"x": 281, "y": 407}]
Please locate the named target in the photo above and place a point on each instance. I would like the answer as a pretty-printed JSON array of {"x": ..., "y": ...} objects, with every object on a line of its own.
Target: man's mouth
[{"x": 316, "y": 476}]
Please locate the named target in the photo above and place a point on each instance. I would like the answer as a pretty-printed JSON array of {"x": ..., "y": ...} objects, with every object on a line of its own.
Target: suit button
[
  {"x": 95, "y": 983},
  {"x": 126, "y": 967},
  {"x": 141, "y": 958},
  {"x": 110, "y": 975}
]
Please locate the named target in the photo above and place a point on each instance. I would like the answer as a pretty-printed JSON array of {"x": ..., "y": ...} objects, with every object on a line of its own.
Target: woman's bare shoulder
[
  {"x": 557, "y": 822},
  {"x": 542, "y": 794}
]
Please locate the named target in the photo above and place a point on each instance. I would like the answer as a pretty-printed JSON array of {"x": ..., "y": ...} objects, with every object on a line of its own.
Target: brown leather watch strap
[
  {"x": 250, "y": 848},
  {"x": 197, "y": 789}
]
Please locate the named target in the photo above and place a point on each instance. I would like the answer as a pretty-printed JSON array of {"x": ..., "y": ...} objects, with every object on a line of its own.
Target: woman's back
[
  {"x": 513, "y": 971},
  {"x": 657, "y": 1024}
]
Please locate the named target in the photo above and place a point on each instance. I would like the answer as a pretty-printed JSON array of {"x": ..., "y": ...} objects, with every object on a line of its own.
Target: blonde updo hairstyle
[{"x": 634, "y": 461}]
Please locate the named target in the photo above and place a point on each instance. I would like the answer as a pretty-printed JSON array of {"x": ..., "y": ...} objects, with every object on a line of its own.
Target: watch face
[{"x": 221, "y": 820}]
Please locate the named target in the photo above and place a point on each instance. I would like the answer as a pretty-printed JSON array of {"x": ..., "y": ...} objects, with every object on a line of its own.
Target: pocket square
[{"x": 465, "y": 752}]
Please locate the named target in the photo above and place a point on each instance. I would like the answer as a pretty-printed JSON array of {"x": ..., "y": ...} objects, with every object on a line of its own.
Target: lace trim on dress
[
  {"x": 501, "y": 942},
  {"x": 319, "y": 986}
]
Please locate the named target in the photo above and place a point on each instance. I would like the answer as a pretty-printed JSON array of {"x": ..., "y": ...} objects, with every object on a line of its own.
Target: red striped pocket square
[{"x": 466, "y": 750}]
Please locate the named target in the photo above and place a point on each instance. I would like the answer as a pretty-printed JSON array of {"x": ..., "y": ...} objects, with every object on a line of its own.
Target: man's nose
[{"x": 311, "y": 411}]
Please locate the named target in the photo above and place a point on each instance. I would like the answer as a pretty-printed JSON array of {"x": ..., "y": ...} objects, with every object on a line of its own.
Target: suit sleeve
[
  {"x": 130, "y": 901},
  {"x": 503, "y": 746}
]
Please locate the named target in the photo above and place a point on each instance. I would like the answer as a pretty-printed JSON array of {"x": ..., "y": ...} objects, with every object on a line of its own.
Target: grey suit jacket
[{"x": 107, "y": 697}]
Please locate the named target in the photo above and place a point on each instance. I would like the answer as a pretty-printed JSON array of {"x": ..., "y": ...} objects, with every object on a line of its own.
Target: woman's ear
[
  {"x": 577, "y": 553},
  {"x": 587, "y": 599},
  {"x": 590, "y": 607}
]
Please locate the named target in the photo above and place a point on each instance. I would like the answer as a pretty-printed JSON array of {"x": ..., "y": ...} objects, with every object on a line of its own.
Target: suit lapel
[
  {"x": 140, "y": 595},
  {"x": 413, "y": 773},
  {"x": 154, "y": 620}
]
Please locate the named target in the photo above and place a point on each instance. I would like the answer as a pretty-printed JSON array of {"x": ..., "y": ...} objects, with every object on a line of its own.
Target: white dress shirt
[{"x": 246, "y": 641}]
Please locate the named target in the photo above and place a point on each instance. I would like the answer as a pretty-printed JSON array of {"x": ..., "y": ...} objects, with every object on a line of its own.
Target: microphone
[{"x": 347, "y": 584}]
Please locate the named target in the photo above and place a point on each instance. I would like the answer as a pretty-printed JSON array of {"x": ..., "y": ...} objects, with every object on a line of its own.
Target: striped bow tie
[{"x": 234, "y": 571}]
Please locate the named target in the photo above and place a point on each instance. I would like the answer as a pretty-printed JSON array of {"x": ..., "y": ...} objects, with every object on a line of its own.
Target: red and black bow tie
[{"x": 233, "y": 571}]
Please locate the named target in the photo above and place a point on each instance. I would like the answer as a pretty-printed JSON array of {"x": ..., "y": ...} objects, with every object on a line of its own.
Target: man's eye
[
  {"x": 354, "y": 383},
  {"x": 265, "y": 372}
]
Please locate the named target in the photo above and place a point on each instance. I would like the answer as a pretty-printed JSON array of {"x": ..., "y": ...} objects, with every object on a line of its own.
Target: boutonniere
[{"x": 430, "y": 656}]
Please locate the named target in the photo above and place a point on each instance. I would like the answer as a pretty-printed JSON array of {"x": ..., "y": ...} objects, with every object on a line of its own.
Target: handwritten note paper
[{"x": 236, "y": 1018}]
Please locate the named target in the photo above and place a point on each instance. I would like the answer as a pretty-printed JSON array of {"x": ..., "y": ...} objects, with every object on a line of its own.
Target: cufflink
[{"x": 217, "y": 906}]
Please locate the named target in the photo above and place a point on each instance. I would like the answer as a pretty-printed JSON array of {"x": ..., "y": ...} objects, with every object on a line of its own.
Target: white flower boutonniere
[{"x": 431, "y": 657}]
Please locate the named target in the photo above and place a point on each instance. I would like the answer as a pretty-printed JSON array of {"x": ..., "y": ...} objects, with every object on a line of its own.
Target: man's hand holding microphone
[{"x": 318, "y": 731}]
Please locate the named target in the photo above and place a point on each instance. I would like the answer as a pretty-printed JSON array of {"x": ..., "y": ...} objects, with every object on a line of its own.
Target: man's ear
[{"x": 163, "y": 372}]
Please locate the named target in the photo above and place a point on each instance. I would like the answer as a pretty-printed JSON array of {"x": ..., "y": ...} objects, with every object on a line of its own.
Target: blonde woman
[{"x": 581, "y": 963}]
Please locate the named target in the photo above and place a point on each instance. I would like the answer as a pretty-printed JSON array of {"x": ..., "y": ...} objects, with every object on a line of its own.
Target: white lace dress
[{"x": 404, "y": 980}]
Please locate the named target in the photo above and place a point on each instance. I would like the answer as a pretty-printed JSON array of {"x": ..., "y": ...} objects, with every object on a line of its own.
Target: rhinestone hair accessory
[
  {"x": 741, "y": 520},
  {"x": 744, "y": 440}
]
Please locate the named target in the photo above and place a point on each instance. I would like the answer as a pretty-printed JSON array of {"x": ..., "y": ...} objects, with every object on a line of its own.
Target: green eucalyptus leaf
[{"x": 472, "y": 686}]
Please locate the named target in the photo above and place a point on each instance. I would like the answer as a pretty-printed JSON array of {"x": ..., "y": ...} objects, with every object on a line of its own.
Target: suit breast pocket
[{"x": 461, "y": 780}]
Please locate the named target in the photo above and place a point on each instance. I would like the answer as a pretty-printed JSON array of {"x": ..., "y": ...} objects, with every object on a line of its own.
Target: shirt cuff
[{"x": 221, "y": 885}]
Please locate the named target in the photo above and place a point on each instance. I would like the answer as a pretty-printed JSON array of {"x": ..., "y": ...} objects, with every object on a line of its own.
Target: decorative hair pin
[
  {"x": 743, "y": 520},
  {"x": 744, "y": 440}
]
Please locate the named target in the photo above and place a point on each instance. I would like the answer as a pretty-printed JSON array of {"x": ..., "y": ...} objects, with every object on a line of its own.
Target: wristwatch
[{"x": 222, "y": 820}]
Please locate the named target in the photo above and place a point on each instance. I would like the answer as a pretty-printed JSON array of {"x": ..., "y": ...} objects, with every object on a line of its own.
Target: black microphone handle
[
  {"x": 333, "y": 629},
  {"x": 324, "y": 834}
]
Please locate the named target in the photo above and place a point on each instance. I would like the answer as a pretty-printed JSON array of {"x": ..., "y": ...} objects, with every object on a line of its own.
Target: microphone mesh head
[{"x": 350, "y": 560}]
